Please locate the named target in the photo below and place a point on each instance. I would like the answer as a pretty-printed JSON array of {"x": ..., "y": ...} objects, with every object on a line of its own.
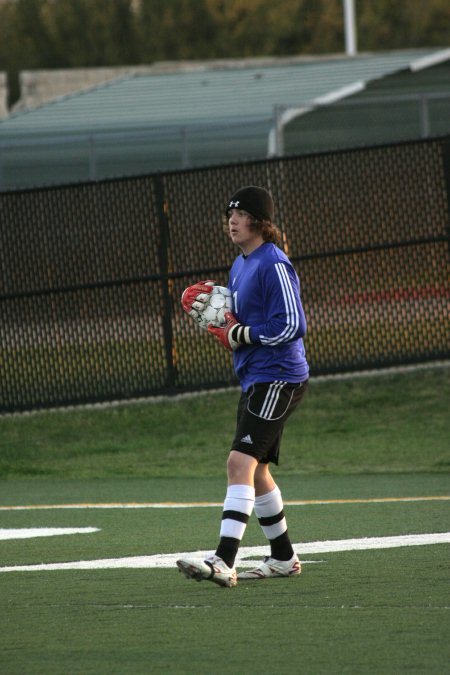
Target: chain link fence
[{"x": 92, "y": 274}]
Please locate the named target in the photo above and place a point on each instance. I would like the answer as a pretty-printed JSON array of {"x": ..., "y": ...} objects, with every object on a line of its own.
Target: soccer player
[{"x": 265, "y": 335}]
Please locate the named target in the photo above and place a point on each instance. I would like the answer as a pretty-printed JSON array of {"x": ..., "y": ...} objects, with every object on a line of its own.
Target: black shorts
[{"x": 261, "y": 416}]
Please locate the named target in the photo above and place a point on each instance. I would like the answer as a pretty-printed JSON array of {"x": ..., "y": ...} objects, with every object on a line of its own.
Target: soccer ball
[{"x": 214, "y": 308}]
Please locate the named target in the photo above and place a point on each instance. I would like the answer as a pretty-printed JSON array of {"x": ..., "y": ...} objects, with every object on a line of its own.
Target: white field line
[
  {"x": 168, "y": 560},
  {"x": 31, "y": 532},
  {"x": 190, "y": 505}
]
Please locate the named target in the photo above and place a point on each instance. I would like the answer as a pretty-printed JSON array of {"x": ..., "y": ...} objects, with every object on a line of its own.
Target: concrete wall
[{"x": 41, "y": 86}]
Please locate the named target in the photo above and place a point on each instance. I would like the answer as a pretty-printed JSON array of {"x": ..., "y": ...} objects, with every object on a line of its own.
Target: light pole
[{"x": 350, "y": 27}]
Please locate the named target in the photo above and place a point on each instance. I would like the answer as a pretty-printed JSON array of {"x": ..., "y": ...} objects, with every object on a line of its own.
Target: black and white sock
[
  {"x": 270, "y": 513},
  {"x": 237, "y": 508}
]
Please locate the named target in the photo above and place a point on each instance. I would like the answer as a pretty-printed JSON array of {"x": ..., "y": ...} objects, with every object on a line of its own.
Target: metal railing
[{"x": 66, "y": 158}]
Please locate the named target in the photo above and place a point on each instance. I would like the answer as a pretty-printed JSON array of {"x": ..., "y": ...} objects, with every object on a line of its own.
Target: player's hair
[{"x": 269, "y": 231}]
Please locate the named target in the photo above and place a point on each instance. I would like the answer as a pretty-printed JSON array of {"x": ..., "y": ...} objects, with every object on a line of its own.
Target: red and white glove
[
  {"x": 194, "y": 297},
  {"x": 233, "y": 335}
]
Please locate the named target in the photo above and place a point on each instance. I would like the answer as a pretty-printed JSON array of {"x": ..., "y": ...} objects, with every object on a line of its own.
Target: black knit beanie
[{"x": 255, "y": 200}]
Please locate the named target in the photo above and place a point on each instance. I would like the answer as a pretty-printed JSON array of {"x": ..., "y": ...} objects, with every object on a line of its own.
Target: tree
[
  {"x": 87, "y": 33},
  {"x": 74, "y": 33},
  {"x": 178, "y": 29},
  {"x": 401, "y": 25}
]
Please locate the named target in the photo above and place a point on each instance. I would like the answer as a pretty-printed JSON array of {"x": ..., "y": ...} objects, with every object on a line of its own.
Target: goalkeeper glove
[
  {"x": 195, "y": 296},
  {"x": 233, "y": 335}
]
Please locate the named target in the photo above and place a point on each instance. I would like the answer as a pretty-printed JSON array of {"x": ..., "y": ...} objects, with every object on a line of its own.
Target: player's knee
[
  {"x": 240, "y": 468},
  {"x": 232, "y": 465}
]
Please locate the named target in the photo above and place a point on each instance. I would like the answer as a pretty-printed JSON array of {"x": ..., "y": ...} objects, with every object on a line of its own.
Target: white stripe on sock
[
  {"x": 239, "y": 498},
  {"x": 269, "y": 505}
]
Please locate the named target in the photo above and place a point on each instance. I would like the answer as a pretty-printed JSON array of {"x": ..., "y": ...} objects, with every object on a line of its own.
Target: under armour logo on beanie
[{"x": 255, "y": 200}]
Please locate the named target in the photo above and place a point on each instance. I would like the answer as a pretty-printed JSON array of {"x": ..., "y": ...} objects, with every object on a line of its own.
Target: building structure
[{"x": 192, "y": 114}]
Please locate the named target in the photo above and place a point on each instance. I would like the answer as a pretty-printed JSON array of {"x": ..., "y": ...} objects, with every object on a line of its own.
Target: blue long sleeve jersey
[{"x": 266, "y": 297}]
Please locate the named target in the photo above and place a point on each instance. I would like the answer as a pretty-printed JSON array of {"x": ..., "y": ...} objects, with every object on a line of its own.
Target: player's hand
[
  {"x": 195, "y": 296},
  {"x": 233, "y": 335}
]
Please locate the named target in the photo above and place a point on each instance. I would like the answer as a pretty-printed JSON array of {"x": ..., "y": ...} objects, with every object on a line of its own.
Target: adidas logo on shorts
[{"x": 247, "y": 439}]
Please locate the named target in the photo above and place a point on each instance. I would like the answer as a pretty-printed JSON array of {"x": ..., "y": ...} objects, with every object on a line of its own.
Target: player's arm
[
  {"x": 233, "y": 335},
  {"x": 284, "y": 316}
]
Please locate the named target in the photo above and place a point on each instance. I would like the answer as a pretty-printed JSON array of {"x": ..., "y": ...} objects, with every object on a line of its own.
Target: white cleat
[
  {"x": 270, "y": 568},
  {"x": 212, "y": 569}
]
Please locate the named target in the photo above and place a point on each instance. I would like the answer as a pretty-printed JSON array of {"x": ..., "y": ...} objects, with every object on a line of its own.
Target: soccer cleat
[
  {"x": 212, "y": 569},
  {"x": 270, "y": 568}
]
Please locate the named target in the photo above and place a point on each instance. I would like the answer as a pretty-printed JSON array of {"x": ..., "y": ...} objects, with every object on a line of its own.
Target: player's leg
[
  {"x": 282, "y": 561},
  {"x": 269, "y": 507},
  {"x": 263, "y": 480},
  {"x": 237, "y": 508},
  {"x": 269, "y": 510},
  {"x": 257, "y": 438},
  {"x": 238, "y": 504}
]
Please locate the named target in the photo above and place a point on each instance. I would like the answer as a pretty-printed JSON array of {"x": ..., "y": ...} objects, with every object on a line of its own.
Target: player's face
[{"x": 241, "y": 232}]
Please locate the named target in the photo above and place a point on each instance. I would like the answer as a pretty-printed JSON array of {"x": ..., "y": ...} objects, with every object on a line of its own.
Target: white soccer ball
[{"x": 213, "y": 309}]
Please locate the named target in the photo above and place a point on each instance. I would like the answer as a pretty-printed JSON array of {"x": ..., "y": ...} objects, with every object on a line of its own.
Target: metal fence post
[
  {"x": 278, "y": 130},
  {"x": 424, "y": 117},
  {"x": 446, "y": 164},
  {"x": 163, "y": 253},
  {"x": 92, "y": 159},
  {"x": 185, "y": 163}
]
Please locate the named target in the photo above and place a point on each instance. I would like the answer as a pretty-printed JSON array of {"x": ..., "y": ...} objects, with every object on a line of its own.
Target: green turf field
[
  {"x": 390, "y": 423},
  {"x": 385, "y": 443}
]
